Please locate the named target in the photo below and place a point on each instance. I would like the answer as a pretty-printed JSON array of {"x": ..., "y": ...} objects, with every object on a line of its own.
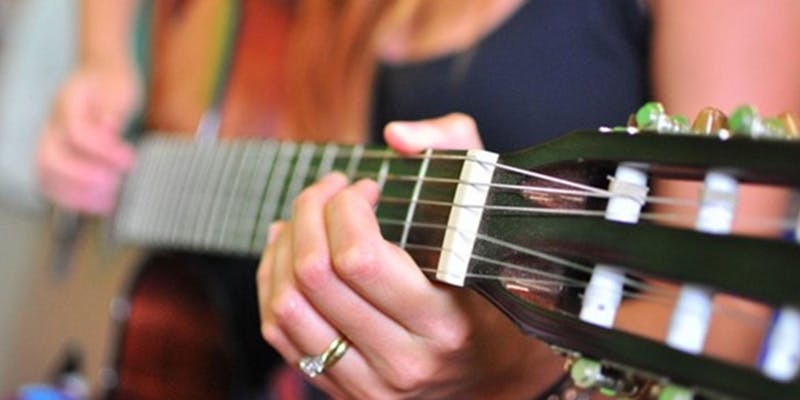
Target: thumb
[{"x": 452, "y": 131}]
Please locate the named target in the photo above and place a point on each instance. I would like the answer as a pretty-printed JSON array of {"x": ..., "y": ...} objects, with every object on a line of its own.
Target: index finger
[{"x": 389, "y": 278}]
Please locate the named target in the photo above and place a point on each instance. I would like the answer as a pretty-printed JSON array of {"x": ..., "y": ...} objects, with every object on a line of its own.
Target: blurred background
[{"x": 37, "y": 49}]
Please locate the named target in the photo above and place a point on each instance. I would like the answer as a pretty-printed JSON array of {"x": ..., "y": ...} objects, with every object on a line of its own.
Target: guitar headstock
[{"x": 593, "y": 243}]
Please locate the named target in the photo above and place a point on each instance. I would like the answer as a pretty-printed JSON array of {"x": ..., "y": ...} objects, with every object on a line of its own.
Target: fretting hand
[{"x": 328, "y": 273}]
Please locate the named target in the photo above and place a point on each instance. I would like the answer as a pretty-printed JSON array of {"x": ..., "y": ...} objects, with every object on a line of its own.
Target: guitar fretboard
[{"x": 222, "y": 197}]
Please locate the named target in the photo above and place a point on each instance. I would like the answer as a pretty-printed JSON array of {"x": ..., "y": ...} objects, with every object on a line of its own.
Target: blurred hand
[
  {"x": 81, "y": 155},
  {"x": 328, "y": 272}
]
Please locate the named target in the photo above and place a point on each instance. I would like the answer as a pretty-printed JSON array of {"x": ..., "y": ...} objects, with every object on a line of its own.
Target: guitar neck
[
  {"x": 526, "y": 230},
  {"x": 222, "y": 197}
]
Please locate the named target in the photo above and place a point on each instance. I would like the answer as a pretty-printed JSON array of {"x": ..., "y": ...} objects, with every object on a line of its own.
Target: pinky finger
[{"x": 278, "y": 339}]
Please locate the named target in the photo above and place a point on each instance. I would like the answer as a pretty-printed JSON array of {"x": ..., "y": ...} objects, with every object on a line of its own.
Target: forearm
[
  {"x": 725, "y": 53},
  {"x": 106, "y": 31}
]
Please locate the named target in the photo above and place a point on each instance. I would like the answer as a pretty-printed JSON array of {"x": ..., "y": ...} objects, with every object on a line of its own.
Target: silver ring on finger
[{"x": 314, "y": 365}]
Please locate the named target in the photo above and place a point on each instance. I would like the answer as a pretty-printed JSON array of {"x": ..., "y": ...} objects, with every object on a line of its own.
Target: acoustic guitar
[{"x": 565, "y": 238}]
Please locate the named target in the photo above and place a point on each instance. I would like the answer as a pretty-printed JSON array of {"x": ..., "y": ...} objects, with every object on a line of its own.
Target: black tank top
[{"x": 553, "y": 67}]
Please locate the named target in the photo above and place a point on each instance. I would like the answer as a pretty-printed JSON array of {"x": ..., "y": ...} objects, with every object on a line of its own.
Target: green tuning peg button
[
  {"x": 673, "y": 392},
  {"x": 649, "y": 114},
  {"x": 680, "y": 123},
  {"x": 586, "y": 373},
  {"x": 745, "y": 119}
]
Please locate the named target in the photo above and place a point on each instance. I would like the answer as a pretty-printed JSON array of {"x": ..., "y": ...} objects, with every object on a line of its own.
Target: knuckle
[
  {"x": 306, "y": 198},
  {"x": 263, "y": 273},
  {"x": 268, "y": 332},
  {"x": 285, "y": 307},
  {"x": 339, "y": 201},
  {"x": 313, "y": 270},
  {"x": 452, "y": 335},
  {"x": 356, "y": 261},
  {"x": 76, "y": 140},
  {"x": 463, "y": 121},
  {"x": 411, "y": 375}
]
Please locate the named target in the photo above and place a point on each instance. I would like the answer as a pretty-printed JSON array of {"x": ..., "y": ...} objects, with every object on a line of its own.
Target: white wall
[{"x": 37, "y": 49}]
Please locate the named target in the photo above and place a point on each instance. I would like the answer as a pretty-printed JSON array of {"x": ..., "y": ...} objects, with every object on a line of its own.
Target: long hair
[
  {"x": 333, "y": 52},
  {"x": 331, "y": 62}
]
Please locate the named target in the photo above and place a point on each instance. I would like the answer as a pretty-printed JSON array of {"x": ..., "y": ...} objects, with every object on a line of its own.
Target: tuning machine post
[
  {"x": 620, "y": 383},
  {"x": 747, "y": 121}
]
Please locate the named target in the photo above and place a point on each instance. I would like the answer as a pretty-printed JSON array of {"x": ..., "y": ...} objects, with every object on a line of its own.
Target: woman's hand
[
  {"x": 81, "y": 155},
  {"x": 328, "y": 273}
]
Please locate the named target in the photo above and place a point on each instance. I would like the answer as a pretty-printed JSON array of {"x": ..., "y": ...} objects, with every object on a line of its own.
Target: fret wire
[
  {"x": 226, "y": 238},
  {"x": 209, "y": 180},
  {"x": 177, "y": 183},
  {"x": 147, "y": 195},
  {"x": 161, "y": 206},
  {"x": 244, "y": 200},
  {"x": 273, "y": 191},
  {"x": 328, "y": 157},
  {"x": 132, "y": 211},
  {"x": 129, "y": 213},
  {"x": 383, "y": 172},
  {"x": 301, "y": 166},
  {"x": 188, "y": 195},
  {"x": 222, "y": 195},
  {"x": 166, "y": 217},
  {"x": 155, "y": 193},
  {"x": 356, "y": 153},
  {"x": 259, "y": 180},
  {"x": 198, "y": 175},
  {"x": 423, "y": 170}
]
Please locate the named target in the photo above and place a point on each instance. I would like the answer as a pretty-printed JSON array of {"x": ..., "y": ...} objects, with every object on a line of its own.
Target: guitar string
[
  {"x": 518, "y": 248},
  {"x": 755, "y": 221},
  {"x": 675, "y": 201},
  {"x": 663, "y": 295},
  {"x": 595, "y": 192},
  {"x": 658, "y": 299},
  {"x": 586, "y": 190}
]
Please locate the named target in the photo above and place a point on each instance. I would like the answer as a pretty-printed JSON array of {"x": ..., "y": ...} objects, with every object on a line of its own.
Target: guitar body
[
  {"x": 141, "y": 325},
  {"x": 68, "y": 307}
]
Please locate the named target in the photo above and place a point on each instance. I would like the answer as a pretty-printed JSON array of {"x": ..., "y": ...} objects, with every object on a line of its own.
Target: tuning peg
[
  {"x": 591, "y": 374},
  {"x": 710, "y": 121},
  {"x": 652, "y": 116},
  {"x": 632, "y": 121},
  {"x": 649, "y": 115},
  {"x": 680, "y": 123},
  {"x": 674, "y": 392},
  {"x": 746, "y": 120},
  {"x": 789, "y": 122}
]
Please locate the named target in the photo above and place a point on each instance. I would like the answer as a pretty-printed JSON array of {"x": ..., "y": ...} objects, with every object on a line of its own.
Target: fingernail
[
  {"x": 413, "y": 133},
  {"x": 273, "y": 231},
  {"x": 334, "y": 176}
]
